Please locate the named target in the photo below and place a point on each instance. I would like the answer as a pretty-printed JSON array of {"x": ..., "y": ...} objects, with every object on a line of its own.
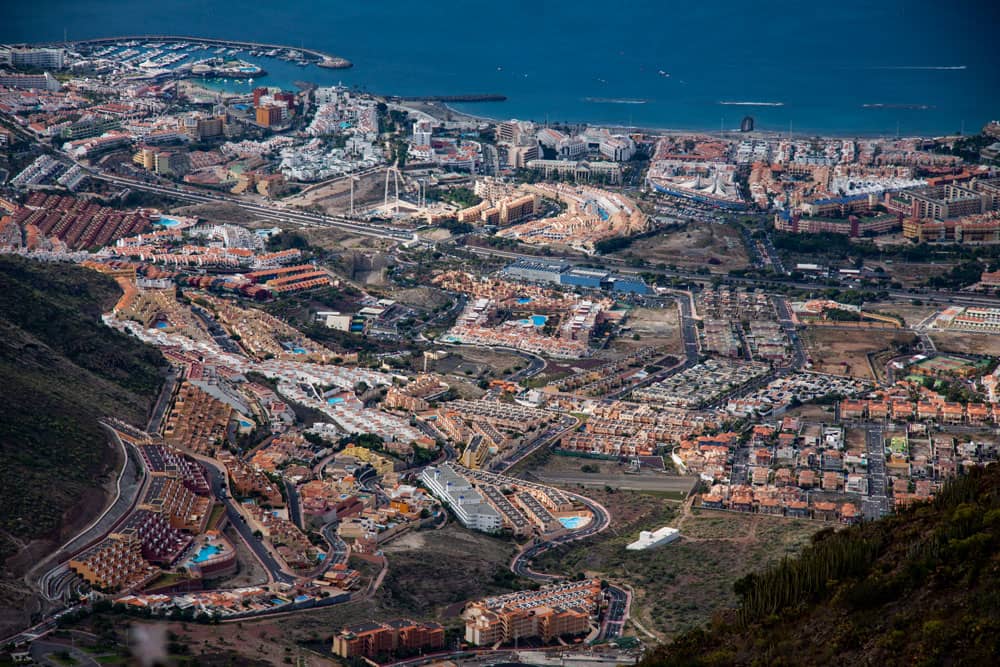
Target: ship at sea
[
  {"x": 752, "y": 104},
  {"x": 614, "y": 100},
  {"x": 906, "y": 107}
]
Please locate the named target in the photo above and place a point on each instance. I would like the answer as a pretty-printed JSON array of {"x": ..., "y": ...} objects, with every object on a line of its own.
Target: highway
[
  {"x": 308, "y": 219},
  {"x": 621, "y": 266},
  {"x": 275, "y": 213}
]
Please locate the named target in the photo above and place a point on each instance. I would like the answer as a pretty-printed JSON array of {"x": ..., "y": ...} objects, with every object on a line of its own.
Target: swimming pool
[
  {"x": 524, "y": 299},
  {"x": 572, "y": 522},
  {"x": 539, "y": 320},
  {"x": 206, "y": 552},
  {"x": 334, "y": 400},
  {"x": 167, "y": 222},
  {"x": 161, "y": 325}
]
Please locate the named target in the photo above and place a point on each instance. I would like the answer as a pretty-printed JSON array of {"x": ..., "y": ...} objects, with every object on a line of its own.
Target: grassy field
[
  {"x": 699, "y": 244},
  {"x": 842, "y": 351}
]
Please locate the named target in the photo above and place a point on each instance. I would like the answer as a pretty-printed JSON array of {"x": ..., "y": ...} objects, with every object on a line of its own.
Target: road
[
  {"x": 642, "y": 482},
  {"x": 617, "y": 598},
  {"x": 294, "y": 503},
  {"x": 692, "y": 348},
  {"x": 271, "y": 212},
  {"x": 564, "y": 424},
  {"x": 877, "y": 503},
  {"x": 217, "y": 480},
  {"x": 620, "y": 265}
]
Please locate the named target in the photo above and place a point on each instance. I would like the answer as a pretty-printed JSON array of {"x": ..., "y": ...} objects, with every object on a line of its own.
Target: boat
[
  {"x": 753, "y": 104},
  {"x": 665, "y": 75},
  {"x": 614, "y": 100}
]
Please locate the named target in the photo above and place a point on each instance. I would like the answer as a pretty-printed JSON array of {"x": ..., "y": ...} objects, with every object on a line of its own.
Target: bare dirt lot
[
  {"x": 842, "y": 351},
  {"x": 433, "y": 570},
  {"x": 911, "y": 314},
  {"x": 658, "y": 327},
  {"x": 967, "y": 343},
  {"x": 334, "y": 197},
  {"x": 719, "y": 247}
]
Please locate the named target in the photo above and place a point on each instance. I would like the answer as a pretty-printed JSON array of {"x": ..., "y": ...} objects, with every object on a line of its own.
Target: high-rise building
[
  {"x": 38, "y": 58},
  {"x": 422, "y": 131},
  {"x": 746, "y": 125},
  {"x": 269, "y": 115}
]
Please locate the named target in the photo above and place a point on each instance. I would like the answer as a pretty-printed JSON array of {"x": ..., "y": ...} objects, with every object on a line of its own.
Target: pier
[{"x": 324, "y": 59}]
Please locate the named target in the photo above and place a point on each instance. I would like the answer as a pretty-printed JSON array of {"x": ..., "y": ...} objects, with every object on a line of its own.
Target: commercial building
[
  {"x": 537, "y": 270},
  {"x": 468, "y": 504}
]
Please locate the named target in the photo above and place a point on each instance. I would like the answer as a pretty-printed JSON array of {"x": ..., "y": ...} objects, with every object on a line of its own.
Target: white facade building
[
  {"x": 464, "y": 499},
  {"x": 648, "y": 540}
]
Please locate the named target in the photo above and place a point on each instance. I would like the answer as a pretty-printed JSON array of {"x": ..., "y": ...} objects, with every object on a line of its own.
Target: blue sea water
[{"x": 597, "y": 61}]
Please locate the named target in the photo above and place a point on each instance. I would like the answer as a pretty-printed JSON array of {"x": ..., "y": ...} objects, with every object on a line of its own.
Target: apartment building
[
  {"x": 197, "y": 421},
  {"x": 464, "y": 499},
  {"x": 115, "y": 564},
  {"x": 554, "y": 611},
  {"x": 368, "y": 640},
  {"x": 168, "y": 496}
]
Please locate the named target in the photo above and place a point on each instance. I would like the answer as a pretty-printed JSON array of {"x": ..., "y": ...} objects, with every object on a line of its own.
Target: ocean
[{"x": 853, "y": 67}]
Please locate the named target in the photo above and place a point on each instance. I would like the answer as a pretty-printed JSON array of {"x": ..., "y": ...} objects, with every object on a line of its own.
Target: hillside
[
  {"x": 918, "y": 588},
  {"x": 62, "y": 369}
]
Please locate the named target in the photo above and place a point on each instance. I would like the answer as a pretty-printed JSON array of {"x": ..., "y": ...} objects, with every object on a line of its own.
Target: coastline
[
  {"x": 459, "y": 115},
  {"x": 448, "y": 111}
]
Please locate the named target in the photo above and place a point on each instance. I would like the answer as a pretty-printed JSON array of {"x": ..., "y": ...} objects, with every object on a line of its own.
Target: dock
[{"x": 324, "y": 59}]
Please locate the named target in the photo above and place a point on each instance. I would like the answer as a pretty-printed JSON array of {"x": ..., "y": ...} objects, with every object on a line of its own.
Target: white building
[
  {"x": 38, "y": 58},
  {"x": 422, "y": 132},
  {"x": 648, "y": 540},
  {"x": 464, "y": 499}
]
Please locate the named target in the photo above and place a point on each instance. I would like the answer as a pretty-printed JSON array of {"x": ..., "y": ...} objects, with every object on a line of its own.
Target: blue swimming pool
[
  {"x": 524, "y": 299},
  {"x": 206, "y": 552},
  {"x": 539, "y": 320},
  {"x": 571, "y": 522},
  {"x": 334, "y": 400},
  {"x": 167, "y": 222},
  {"x": 161, "y": 325}
]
